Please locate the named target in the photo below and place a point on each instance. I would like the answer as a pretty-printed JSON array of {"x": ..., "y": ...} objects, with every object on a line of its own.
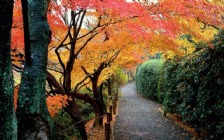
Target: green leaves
[
  {"x": 194, "y": 86},
  {"x": 147, "y": 76}
]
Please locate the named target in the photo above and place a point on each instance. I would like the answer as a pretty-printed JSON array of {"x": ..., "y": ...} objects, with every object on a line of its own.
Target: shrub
[
  {"x": 194, "y": 88},
  {"x": 147, "y": 78},
  {"x": 64, "y": 126},
  {"x": 167, "y": 93}
]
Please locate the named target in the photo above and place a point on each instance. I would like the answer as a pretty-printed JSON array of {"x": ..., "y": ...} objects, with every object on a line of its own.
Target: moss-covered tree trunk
[
  {"x": 8, "y": 129},
  {"x": 33, "y": 118}
]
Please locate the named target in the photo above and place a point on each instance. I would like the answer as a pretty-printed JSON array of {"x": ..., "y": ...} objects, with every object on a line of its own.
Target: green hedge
[
  {"x": 147, "y": 76},
  {"x": 194, "y": 88}
]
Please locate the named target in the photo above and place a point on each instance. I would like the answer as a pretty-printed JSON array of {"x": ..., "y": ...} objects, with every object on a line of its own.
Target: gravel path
[{"x": 140, "y": 119}]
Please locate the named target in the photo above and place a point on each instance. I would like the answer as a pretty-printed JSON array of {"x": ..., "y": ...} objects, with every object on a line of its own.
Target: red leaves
[
  {"x": 206, "y": 11},
  {"x": 143, "y": 18}
]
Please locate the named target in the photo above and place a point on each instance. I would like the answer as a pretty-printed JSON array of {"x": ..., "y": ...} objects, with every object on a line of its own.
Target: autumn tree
[
  {"x": 8, "y": 128},
  {"x": 77, "y": 48},
  {"x": 73, "y": 41}
]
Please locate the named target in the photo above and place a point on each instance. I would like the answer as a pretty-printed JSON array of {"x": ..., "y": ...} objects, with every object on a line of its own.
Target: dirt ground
[{"x": 98, "y": 132}]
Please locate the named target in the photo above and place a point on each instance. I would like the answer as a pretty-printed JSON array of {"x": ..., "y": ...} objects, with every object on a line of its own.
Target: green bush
[
  {"x": 167, "y": 93},
  {"x": 86, "y": 110},
  {"x": 194, "y": 88},
  {"x": 147, "y": 78},
  {"x": 64, "y": 126}
]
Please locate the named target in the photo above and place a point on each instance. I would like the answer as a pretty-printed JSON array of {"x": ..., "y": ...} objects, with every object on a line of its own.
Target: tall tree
[
  {"x": 33, "y": 118},
  {"x": 8, "y": 130}
]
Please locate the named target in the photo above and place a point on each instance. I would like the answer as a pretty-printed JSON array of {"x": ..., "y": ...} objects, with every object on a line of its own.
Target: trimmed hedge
[
  {"x": 147, "y": 76},
  {"x": 192, "y": 87}
]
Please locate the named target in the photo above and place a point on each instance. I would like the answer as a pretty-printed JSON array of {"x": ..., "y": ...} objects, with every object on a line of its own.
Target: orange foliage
[
  {"x": 17, "y": 27},
  {"x": 56, "y": 102},
  {"x": 16, "y": 90}
]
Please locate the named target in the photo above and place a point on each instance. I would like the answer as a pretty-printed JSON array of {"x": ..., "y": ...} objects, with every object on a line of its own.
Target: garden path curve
[{"x": 140, "y": 119}]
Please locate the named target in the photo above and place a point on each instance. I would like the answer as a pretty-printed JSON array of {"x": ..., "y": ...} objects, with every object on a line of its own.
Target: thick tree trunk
[
  {"x": 8, "y": 128},
  {"x": 34, "y": 121}
]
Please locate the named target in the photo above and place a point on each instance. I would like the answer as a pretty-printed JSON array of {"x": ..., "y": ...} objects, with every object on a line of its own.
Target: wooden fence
[{"x": 112, "y": 110}]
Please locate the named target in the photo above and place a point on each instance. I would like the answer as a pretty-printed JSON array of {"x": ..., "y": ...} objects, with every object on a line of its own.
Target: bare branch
[{"x": 207, "y": 24}]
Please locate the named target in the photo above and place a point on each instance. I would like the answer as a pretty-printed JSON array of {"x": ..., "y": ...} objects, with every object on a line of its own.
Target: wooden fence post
[
  {"x": 107, "y": 131},
  {"x": 111, "y": 113},
  {"x": 115, "y": 107},
  {"x": 109, "y": 117}
]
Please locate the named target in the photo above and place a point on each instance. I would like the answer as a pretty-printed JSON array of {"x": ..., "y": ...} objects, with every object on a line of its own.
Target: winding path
[{"x": 140, "y": 119}]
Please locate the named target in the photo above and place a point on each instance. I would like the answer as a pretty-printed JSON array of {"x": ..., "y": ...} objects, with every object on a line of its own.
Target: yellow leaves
[
  {"x": 168, "y": 55},
  {"x": 200, "y": 31},
  {"x": 106, "y": 73},
  {"x": 185, "y": 46},
  {"x": 102, "y": 49},
  {"x": 208, "y": 33},
  {"x": 196, "y": 32},
  {"x": 218, "y": 2}
]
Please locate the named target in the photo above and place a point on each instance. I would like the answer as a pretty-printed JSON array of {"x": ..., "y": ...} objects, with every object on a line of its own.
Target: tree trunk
[
  {"x": 34, "y": 121},
  {"x": 72, "y": 110},
  {"x": 100, "y": 103},
  {"x": 8, "y": 128}
]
